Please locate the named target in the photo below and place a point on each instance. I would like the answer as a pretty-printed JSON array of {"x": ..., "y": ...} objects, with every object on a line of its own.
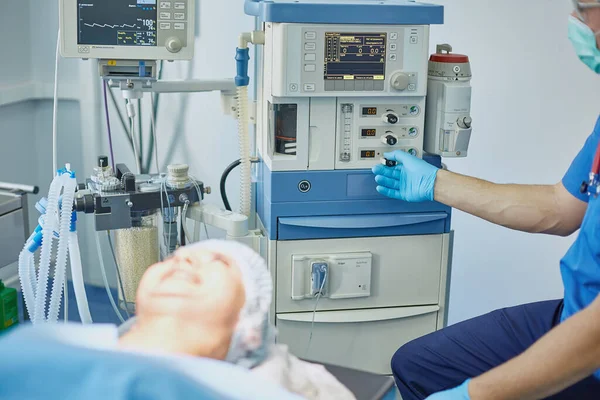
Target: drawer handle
[
  {"x": 363, "y": 221},
  {"x": 359, "y": 316}
]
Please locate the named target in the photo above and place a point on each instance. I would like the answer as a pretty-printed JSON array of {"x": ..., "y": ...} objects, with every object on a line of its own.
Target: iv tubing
[
  {"x": 78, "y": 284},
  {"x": 184, "y": 224},
  {"x": 119, "y": 280},
  {"x": 69, "y": 184},
  {"x": 55, "y": 109},
  {"x": 110, "y": 143},
  {"x": 106, "y": 286}
]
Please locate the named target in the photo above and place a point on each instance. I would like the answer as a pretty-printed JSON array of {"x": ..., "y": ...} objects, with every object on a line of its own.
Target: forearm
[
  {"x": 565, "y": 356},
  {"x": 529, "y": 208}
]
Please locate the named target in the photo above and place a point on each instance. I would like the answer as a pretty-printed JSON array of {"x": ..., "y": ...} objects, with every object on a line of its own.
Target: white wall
[{"x": 534, "y": 104}]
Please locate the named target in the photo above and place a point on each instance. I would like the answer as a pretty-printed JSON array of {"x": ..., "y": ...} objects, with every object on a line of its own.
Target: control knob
[
  {"x": 173, "y": 44},
  {"x": 390, "y": 117},
  {"x": 464, "y": 122},
  {"x": 400, "y": 81},
  {"x": 389, "y": 139}
]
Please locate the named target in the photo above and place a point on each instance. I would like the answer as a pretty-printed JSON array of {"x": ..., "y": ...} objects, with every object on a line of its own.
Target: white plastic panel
[
  {"x": 363, "y": 339},
  {"x": 406, "y": 271},
  {"x": 298, "y": 67},
  {"x": 446, "y": 103},
  {"x": 355, "y": 149},
  {"x": 348, "y": 276},
  {"x": 322, "y": 134}
]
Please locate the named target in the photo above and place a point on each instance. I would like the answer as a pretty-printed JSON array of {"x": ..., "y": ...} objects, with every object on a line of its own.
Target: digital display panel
[
  {"x": 369, "y": 111},
  {"x": 355, "y": 56},
  {"x": 116, "y": 22},
  {"x": 369, "y": 132},
  {"x": 367, "y": 154}
]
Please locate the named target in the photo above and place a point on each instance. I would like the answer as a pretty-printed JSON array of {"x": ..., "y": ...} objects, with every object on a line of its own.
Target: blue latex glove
[
  {"x": 411, "y": 180},
  {"x": 459, "y": 393}
]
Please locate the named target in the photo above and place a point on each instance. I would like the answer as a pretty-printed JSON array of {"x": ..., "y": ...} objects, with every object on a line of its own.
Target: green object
[{"x": 9, "y": 311}]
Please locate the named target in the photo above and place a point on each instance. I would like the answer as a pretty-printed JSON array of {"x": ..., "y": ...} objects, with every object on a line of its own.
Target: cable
[
  {"x": 195, "y": 183},
  {"x": 222, "y": 184},
  {"x": 184, "y": 223},
  {"x": 153, "y": 136},
  {"x": 140, "y": 135},
  {"x": 119, "y": 280},
  {"x": 155, "y": 99},
  {"x": 110, "y": 144},
  {"x": 106, "y": 286},
  {"x": 55, "y": 110},
  {"x": 312, "y": 326},
  {"x": 131, "y": 114},
  {"x": 121, "y": 118}
]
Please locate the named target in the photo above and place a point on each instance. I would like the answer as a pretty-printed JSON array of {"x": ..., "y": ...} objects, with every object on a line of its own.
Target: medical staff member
[{"x": 534, "y": 351}]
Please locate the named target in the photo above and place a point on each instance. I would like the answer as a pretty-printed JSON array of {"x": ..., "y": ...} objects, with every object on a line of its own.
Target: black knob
[
  {"x": 390, "y": 163},
  {"x": 392, "y": 119},
  {"x": 391, "y": 140},
  {"x": 103, "y": 161}
]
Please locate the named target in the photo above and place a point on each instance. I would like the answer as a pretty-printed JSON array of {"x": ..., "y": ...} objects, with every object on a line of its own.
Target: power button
[{"x": 304, "y": 186}]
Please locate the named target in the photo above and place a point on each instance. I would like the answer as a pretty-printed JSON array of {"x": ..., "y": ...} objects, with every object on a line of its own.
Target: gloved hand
[
  {"x": 411, "y": 180},
  {"x": 459, "y": 393}
]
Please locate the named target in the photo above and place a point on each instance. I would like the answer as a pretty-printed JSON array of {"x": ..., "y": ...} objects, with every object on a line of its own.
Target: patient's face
[{"x": 202, "y": 288}]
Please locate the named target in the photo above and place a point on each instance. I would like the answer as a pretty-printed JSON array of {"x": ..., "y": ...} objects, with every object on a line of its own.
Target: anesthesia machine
[
  {"x": 337, "y": 85},
  {"x": 340, "y": 83}
]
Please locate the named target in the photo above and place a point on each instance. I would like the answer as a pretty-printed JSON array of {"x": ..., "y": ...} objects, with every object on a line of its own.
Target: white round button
[{"x": 174, "y": 45}]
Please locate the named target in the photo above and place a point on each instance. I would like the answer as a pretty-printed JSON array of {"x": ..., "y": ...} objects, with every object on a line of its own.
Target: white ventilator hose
[
  {"x": 50, "y": 226},
  {"x": 78, "y": 283},
  {"x": 27, "y": 280},
  {"x": 244, "y": 138},
  {"x": 66, "y": 212}
]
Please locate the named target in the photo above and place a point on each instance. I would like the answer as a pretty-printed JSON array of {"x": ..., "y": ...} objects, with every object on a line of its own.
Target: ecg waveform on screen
[
  {"x": 117, "y": 22},
  {"x": 111, "y": 26}
]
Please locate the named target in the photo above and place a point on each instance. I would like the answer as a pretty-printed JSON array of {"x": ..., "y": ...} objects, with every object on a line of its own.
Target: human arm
[
  {"x": 547, "y": 209},
  {"x": 531, "y": 208}
]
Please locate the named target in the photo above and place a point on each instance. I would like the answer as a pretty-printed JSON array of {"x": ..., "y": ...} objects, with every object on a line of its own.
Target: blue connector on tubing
[{"x": 242, "y": 58}]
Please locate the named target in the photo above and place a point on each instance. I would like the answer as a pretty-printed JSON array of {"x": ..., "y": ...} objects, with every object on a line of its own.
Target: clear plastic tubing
[
  {"x": 106, "y": 285},
  {"x": 244, "y": 142},
  {"x": 78, "y": 284}
]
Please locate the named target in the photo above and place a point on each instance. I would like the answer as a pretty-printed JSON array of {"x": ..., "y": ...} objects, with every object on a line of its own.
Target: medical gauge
[{"x": 127, "y": 29}]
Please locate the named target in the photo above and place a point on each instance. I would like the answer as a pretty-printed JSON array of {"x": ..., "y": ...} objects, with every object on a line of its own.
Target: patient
[{"x": 211, "y": 299}]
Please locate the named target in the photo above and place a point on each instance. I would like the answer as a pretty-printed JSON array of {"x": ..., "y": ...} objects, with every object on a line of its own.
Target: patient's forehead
[{"x": 203, "y": 256}]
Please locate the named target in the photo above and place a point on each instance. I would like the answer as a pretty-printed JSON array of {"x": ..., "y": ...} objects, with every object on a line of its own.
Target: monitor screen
[
  {"x": 117, "y": 22},
  {"x": 355, "y": 56}
]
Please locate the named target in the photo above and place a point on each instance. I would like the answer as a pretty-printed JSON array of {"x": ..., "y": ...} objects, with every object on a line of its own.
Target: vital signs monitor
[{"x": 127, "y": 29}]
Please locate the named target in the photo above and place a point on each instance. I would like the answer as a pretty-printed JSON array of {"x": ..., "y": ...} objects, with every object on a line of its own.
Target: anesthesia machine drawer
[
  {"x": 364, "y": 340},
  {"x": 348, "y": 226},
  {"x": 371, "y": 272}
]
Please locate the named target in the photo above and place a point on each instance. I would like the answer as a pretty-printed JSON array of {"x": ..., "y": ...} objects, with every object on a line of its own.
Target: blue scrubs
[{"x": 445, "y": 359}]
